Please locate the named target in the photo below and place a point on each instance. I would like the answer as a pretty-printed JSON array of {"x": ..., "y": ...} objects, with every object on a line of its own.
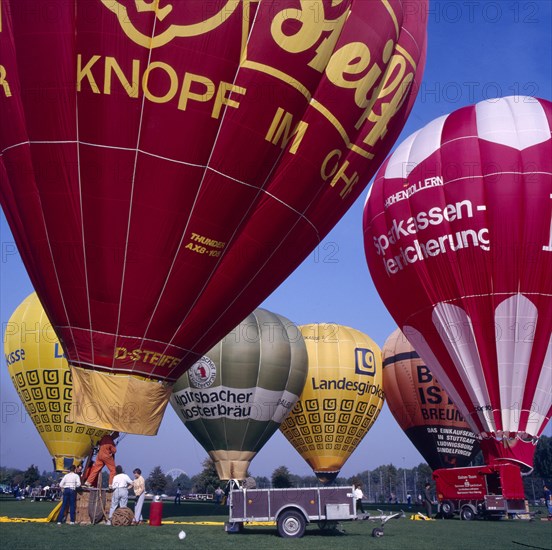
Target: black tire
[
  {"x": 447, "y": 509},
  {"x": 377, "y": 532},
  {"x": 291, "y": 524},
  {"x": 467, "y": 514}
]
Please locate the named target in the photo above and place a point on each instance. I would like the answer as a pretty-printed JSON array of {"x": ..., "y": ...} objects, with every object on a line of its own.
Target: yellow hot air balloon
[
  {"x": 42, "y": 379},
  {"x": 342, "y": 397}
]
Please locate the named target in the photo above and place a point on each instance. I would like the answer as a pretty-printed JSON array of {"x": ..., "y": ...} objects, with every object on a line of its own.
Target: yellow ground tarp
[{"x": 6, "y": 519}]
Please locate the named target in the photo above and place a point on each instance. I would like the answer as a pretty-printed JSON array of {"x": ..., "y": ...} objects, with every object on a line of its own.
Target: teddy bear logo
[{"x": 163, "y": 11}]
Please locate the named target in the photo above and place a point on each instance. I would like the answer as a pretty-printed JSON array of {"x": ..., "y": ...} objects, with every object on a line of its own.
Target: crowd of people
[{"x": 47, "y": 492}]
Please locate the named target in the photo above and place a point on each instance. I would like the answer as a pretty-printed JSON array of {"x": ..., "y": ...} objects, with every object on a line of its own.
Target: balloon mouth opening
[
  {"x": 64, "y": 463},
  {"x": 140, "y": 406},
  {"x": 525, "y": 468},
  {"x": 502, "y": 436},
  {"x": 327, "y": 477}
]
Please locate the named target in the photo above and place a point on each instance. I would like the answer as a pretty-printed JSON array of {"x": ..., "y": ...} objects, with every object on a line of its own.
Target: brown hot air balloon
[{"x": 423, "y": 409}]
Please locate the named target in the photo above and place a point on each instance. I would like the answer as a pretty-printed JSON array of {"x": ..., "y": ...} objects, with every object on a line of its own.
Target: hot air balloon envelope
[
  {"x": 166, "y": 165},
  {"x": 423, "y": 409},
  {"x": 458, "y": 238},
  {"x": 41, "y": 376},
  {"x": 233, "y": 399},
  {"x": 341, "y": 400}
]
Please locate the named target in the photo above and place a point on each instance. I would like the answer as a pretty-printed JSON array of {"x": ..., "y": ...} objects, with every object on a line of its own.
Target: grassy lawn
[{"x": 400, "y": 534}]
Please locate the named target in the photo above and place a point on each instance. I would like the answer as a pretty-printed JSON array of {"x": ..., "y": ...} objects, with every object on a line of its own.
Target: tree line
[{"x": 386, "y": 483}]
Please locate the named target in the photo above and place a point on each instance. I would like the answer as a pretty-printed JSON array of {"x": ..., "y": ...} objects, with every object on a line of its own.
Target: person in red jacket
[{"x": 105, "y": 457}]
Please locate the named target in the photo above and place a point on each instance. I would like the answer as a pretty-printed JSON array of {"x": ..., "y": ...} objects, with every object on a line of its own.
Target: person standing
[
  {"x": 427, "y": 500},
  {"x": 106, "y": 457},
  {"x": 548, "y": 501},
  {"x": 139, "y": 486},
  {"x": 178, "y": 495},
  {"x": 218, "y": 495},
  {"x": 69, "y": 484},
  {"x": 359, "y": 495},
  {"x": 121, "y": 484}
]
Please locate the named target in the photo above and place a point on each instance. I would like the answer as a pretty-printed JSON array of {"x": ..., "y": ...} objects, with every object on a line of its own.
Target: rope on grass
[
  {"x": 529, "y": 545},
  {"x": 122, "y": 516}
]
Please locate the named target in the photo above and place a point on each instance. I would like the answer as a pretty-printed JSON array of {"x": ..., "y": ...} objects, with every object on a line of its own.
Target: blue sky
[{"x": 477, "y": 50}]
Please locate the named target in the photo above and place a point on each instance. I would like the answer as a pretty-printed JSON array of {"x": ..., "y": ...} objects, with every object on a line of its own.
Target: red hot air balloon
[
  {"x": 458, "y": 239},
  {"x": 165, "y": 165},
  {"x": 423, "y": 409}
]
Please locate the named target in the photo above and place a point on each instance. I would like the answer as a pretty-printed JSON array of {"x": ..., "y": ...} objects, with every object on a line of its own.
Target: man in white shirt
[
  {"x": 359, "y": 495},
  {"x": 121, "y": 484},
  {"x": 139, "y": 485},
  {"x": 69, "y": 484}
]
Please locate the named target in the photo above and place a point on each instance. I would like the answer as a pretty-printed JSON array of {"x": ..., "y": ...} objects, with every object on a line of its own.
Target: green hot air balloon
[{"x": 234, "y": 398}]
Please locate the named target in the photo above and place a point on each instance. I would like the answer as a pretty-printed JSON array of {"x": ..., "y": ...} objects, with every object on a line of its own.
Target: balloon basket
[{"x": 93, "y": 506}]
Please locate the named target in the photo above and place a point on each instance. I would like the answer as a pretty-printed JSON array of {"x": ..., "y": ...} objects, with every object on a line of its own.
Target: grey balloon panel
[
  {"x": 241, "y": 350},
  {"x": 261, "y": 337},
  {"x": 288, "y": 346},
  {"x": 299, "y": 366},
  {"x": 245, "y": 366},
  {"x": 231, "y": 435},
  {"x": 200, "y": 432},
  {"x": 184, "y": 382},
  {"x": 274, "y": 347}
]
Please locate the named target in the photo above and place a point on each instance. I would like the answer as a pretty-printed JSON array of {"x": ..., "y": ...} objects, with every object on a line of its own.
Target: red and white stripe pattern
[{"x": 458, "y": 241}]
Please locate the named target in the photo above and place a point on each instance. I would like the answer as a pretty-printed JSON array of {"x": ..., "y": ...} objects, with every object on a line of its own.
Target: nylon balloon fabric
[
  {"x": 235, "y": 397},
  {"x": 41, "y": 377},
  {"x": 423, "y": 409},
  {"x": 458, "y": 239},
  {"x": 341, "y": 400},
  {"x": 166, "y": 165}
]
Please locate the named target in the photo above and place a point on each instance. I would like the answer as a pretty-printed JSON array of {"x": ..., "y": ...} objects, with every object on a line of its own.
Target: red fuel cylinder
[{"x": 156, "y": 513}]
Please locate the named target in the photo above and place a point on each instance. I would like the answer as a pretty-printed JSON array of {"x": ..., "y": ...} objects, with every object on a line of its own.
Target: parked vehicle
[
  {"x": 198, "y": 496},
  {"x": 294, "y": 509},
  {"x": 492, "y": 491},
  {"x": 291, "y": 509}
]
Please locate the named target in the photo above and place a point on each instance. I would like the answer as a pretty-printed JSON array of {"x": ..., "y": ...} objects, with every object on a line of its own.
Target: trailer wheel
[
  {"x": 447, "y": 509},
  {"x": 291, "y": 524},
  {"x": 377, "y": 532},
  {"x": 467, "y": 514}
]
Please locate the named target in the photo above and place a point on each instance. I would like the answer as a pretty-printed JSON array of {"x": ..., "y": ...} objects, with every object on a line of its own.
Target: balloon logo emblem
[
  {"x": 203, "y": 373},
  {"x": 172, "y": 30},
  {"x": 365, "y": 361}
]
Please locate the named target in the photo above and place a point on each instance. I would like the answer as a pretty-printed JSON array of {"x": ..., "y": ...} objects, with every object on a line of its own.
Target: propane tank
[{"x": 156, "y": 511}]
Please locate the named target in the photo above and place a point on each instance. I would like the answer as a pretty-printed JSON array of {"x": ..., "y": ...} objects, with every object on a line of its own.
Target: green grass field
[{"x": 401, "y": 534}]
